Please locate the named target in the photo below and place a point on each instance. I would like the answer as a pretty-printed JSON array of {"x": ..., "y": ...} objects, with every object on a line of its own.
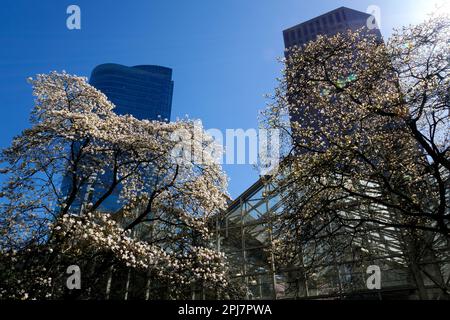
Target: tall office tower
[
  {"x": 336, "y": 21},
  {"x": 143, "y": 91},
  {"x": 330, "y": 23}
]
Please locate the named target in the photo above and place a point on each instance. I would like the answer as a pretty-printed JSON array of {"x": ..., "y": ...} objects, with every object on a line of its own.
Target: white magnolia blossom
[
  {"x": 367, "y": 144},
  {"x": 78, "y": 154}
]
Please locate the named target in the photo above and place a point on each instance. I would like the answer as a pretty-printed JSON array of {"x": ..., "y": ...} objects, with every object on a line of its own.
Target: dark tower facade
[
  {"x": 330, "y": 23},
  {"x": 336, "y": 21}
]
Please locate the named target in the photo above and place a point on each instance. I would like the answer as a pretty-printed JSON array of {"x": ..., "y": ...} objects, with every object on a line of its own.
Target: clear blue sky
[{"x": 223, "y": 53}]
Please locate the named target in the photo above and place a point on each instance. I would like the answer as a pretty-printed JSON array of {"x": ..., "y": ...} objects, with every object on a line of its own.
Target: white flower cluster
[
  {"x": 100, "y": 232},
  {"x": 76, "y": 135}
]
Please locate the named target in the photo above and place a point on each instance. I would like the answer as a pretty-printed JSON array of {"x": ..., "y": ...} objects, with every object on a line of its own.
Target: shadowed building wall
[{"x": 336, "y": 21}]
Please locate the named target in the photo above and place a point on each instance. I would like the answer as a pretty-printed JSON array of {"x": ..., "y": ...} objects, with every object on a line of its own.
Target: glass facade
[
  {"x": 329, "y": 266},
  {"x": 143, "y": 91}
]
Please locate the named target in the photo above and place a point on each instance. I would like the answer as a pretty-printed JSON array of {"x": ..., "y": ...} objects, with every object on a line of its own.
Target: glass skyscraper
[{"x": 143, "y": 91}]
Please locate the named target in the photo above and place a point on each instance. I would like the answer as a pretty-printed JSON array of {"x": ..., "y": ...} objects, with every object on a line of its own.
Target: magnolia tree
[
  {"x": 366, "y": 128},
  {"x": 77, "y": 157}
]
